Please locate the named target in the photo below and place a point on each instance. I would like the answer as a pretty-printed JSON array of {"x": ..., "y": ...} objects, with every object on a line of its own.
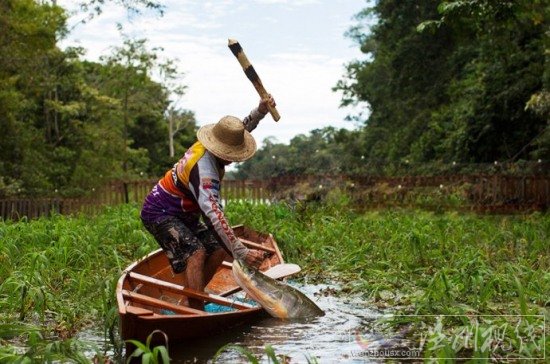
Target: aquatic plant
[
  {"x": 155, "y": 355},
  {"x": 35, "y": 348},
  {"x": 420, "y": 262},
  {"x": 58, "y": 274}
]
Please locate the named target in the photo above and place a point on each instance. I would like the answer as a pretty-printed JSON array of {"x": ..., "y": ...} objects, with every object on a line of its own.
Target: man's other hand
[{"x": 254, "y": 258}]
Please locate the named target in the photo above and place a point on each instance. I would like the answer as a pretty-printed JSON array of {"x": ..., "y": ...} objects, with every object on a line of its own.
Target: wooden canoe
[{"x": 149, "y": 296}]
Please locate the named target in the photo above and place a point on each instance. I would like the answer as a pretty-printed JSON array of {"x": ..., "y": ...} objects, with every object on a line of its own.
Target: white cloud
[{"x": 299, "y": 73}]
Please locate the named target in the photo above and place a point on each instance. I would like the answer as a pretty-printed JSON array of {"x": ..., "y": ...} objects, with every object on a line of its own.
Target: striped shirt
[{"x": 192, "y": 188}]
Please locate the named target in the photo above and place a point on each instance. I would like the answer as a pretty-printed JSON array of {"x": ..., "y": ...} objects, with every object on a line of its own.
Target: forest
[
  {"x": 441, "y": 82},
  {"x": 68, "y": 124}
]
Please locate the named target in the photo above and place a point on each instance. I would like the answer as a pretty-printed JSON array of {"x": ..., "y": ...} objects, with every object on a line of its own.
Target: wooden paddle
[
  {"x": 278, "y": 271},
  {"x": 282, "y": 270}
]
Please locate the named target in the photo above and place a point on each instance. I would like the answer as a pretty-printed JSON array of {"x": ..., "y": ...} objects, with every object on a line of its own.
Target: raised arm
[{"x": 251, "y": 121}]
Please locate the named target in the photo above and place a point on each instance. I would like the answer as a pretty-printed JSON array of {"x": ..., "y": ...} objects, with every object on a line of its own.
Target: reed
[
  {"x": 58, "y": 274},
  {"x": 421, "y": 262},
  {"x": 455, "y": 258}
]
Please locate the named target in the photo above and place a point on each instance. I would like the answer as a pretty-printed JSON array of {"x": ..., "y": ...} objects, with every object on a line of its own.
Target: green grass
[
  {"x": 59, "y": 274},
  {"x": 441, "y": 262},
  {"x": 423, "y": 263}
]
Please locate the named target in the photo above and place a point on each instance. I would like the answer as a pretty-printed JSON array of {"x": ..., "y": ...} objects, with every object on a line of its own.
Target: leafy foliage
[
  {"x": 70, "y": 125},
  {"x": 156, "y": 355},
  {"x": 452, "y": 81},
  {"x": 326, "y": 150},
  {"x": 446, "y": 84},
  {"x": 340, "y": 152},
  {"x": 58, "y": 275}
]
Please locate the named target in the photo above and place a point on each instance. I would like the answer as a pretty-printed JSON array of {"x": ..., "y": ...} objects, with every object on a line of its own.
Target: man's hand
[
  {"x": 254, "y": 258},
  {"x": 262, "y": 107}
]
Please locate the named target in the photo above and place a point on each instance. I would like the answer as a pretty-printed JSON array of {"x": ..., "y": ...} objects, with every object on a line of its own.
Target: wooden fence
[
  {"x": 478, "y": 192},
  {"x": 114, "y": 193}
]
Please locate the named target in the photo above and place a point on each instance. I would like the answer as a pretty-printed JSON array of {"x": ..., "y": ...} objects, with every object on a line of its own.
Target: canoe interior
[{"x": 146, "y": 302}]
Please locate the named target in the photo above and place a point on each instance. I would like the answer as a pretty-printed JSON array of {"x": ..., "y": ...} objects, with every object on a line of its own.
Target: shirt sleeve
[
  {"x": 204, "y": 184},
  {"x": 251, "y": 121}
]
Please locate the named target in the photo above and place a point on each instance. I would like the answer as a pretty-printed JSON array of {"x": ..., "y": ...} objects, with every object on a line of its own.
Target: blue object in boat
[
  {"x": 214, "y": 308},
  {"x": 167, "y": 312}
]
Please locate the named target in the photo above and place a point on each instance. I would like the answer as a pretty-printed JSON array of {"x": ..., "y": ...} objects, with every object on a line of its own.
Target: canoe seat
[
  {"x": 176, "y": 288},
  {"x": 155, "y": 302}
]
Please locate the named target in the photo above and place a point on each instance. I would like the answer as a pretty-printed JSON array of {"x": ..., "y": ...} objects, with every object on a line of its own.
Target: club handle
[{"x": 251, "y": 74}]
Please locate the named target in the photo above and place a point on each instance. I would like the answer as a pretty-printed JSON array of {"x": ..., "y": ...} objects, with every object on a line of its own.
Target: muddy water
[
  {"x": 340, "y": 336},
  {"x": 331, "y": 338}
]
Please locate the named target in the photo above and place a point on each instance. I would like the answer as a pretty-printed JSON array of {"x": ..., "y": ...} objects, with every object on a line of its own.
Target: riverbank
[{"x": 57, "y": 275}]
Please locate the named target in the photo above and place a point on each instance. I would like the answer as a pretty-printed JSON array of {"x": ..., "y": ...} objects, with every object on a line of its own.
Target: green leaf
[
  {"x": 447, "y": 7},
  {"x": 521, "y": 296},
  {"x": 163, "y": 353},
  {"x": 430, "y": 25},
  {"x": 147, "y": 358},
  {"x": 271, "y": 354},
  {"x": 139, "y": 345}
]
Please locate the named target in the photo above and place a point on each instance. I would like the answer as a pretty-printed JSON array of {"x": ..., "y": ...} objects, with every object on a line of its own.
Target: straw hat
[{"x": 228, "y": 140}]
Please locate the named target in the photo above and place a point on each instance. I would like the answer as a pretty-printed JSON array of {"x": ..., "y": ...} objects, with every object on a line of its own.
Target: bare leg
[
  {"x": 213, "y": 262},
  {"x": 194, "y": 274}
]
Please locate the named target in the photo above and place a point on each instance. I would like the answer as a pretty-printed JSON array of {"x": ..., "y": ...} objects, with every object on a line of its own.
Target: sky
[{"x": 297, "y": 47}]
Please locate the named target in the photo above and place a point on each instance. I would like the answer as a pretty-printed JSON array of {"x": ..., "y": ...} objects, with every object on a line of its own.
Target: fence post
[{"x": 126, "y": 195}]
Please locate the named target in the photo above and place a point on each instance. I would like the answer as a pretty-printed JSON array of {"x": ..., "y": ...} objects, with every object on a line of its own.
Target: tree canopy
[
  {"x": 444, "y": 82},
  {"x": 67, "y": 124},
  {"x": 452, "y": 80}
]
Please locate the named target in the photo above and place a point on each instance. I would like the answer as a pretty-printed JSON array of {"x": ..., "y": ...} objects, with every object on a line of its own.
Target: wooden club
[{"x": 250, "y": 72}]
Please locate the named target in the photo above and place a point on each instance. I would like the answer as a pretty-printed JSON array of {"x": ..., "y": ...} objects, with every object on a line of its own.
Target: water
[
  {"x": 342, "y": 335},
  {"x": 331, "y": 338},
  {"x": 94, "y": 345}
]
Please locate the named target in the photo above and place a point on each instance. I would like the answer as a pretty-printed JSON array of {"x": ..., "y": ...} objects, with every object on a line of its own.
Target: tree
[
  {"x": 182, "y": 128},
  {"x": 68, "y": 125},
  {"x": 145, "y": 115},
  {"x": 126, "y": 77},
  {"x": 28, "y": 35},
  {"x": 504, "y": 73},
  {"x": 403, "y": 77},
  {"x": 322, "y": 151},
  {"x": 177, "y": 120},
  {"x": 451, "y": 89}
]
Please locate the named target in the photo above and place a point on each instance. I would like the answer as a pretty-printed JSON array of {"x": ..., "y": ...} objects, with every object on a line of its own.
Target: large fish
[{"x": 277, "y": 298}]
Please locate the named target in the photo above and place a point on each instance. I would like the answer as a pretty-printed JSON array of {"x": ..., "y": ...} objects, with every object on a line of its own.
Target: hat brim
[{"x": 232, "y": 153}]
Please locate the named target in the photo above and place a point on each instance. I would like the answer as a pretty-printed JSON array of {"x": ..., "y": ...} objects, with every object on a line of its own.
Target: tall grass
[
  {"x": 424, "y": 263},
  {"x": 59, "y": 274},
  {"x": 440, "y": 262}
]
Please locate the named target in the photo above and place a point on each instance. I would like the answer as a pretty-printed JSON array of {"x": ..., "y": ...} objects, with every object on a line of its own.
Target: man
[{"x": 172, "y": 210}]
